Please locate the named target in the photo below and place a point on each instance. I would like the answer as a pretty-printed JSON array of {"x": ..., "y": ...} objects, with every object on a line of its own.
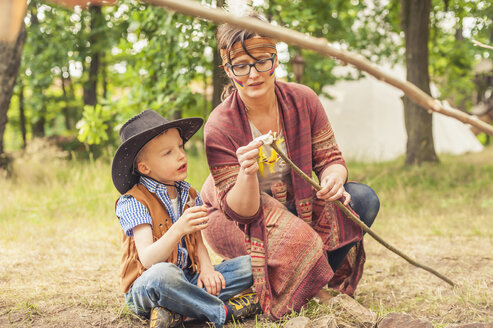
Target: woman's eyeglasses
[{"x": 262, "y": 65}]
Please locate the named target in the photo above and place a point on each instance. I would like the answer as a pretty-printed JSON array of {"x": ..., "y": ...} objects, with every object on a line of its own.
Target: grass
[{"x": 60, "y": 240}]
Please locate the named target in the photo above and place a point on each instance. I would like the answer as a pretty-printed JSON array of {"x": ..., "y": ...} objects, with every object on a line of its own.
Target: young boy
[{"x": 166, "y": 272}]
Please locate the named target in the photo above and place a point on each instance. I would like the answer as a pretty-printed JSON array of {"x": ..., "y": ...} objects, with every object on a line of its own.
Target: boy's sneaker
[
  {"x": 243, "y": 306},
  {"x": 162, "y": 318}
]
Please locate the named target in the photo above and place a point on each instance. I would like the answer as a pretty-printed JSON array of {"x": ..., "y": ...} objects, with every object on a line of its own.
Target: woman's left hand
[
  {"x": 212, "y": 280},
  {"x": 333, "y": 189}
]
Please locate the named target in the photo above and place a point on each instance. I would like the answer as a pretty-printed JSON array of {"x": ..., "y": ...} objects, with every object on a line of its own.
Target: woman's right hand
[
  {"x": 247, "y": 157},
  {"x": 193, "y": 219}
]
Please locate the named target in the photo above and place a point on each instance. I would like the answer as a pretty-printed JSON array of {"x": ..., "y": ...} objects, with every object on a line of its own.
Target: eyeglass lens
[{"x": 261, "y": 65}]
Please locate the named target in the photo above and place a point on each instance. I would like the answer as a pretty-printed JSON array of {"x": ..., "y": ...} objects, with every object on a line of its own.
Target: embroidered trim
[
  {"x": 305, "y": 210},
  {"x": 280, "y": 191}
]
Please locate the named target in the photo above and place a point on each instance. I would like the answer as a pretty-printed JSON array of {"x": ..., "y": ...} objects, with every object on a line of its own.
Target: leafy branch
[{"x": 322, "y": 46}]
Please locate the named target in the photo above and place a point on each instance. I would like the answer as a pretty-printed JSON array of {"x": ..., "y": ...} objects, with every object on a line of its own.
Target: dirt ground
[{"x": 66, "y": 275}]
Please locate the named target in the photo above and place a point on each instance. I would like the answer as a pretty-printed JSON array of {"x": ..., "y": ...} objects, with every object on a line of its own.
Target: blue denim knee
[{"x": 364, "y": 201}]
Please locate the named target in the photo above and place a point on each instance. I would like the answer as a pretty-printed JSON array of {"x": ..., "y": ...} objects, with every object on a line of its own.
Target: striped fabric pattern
[
  {"x": 132, "y": 213},
  {"x": 324, "y": 149}
]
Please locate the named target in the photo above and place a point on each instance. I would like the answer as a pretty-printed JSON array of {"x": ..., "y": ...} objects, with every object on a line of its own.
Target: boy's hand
[
  {"x": 193, "y": 219},
  {"x": 212, "y": 280}
]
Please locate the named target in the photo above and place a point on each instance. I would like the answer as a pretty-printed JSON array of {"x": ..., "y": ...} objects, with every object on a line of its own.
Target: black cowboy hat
[{"x": 138, "y": 131}]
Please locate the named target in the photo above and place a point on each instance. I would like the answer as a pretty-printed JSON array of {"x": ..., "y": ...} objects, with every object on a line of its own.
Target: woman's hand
[
  {"x": 333, "y": 189},
  {"x": 247, "y": 157},
  {"x": 212, "y": 280},
  {"x": 193, "y": 219}
]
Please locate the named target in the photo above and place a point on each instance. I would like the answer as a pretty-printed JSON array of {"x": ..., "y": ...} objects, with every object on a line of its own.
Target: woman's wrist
[{"x": 337, "y": 171}]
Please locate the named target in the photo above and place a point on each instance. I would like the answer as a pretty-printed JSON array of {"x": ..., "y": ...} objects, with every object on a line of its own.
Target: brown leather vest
[{"x": 131, "y": 268}]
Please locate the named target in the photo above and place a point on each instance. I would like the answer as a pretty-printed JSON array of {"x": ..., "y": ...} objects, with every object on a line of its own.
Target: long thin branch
[
  {"x": 356, "y": 220},
  {"x": 482, "y": 45},
  {"x": 321, "y": 46}
]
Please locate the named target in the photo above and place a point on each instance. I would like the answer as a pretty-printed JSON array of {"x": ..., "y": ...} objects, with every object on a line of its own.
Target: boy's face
[{"x": 163, "y": 158}]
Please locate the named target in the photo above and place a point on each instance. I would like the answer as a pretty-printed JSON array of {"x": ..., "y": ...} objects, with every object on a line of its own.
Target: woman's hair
[{"x": 227, "y": 35}]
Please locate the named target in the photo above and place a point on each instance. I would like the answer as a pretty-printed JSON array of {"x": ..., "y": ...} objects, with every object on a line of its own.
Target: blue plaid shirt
[{"x": 132, "y": 213}]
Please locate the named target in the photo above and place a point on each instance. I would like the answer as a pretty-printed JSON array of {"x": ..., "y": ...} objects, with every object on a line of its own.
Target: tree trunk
[
  {"x": 415, "y": 17},
  {"x": 219, "y": 77},
  {"x": 91, "y": 86},
  {"x": 66, "y": 109},
  {"x": 22, "y": 115},
  {"x": 76, "y": 111},
  {"x": 38, "y": 127},
  {"x": 10, "y": 59},
  {"x": 104, "y": 74}
]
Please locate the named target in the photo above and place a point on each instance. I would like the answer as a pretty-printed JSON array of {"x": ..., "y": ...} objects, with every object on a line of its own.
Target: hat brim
[{"x": 123, "y": 161}]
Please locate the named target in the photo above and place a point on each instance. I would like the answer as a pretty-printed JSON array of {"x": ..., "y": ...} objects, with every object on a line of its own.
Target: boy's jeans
[{"x": 166, "y": 285}]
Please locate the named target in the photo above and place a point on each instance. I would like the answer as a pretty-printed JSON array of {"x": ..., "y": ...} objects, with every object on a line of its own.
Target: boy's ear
[{"x": 143, "y": 168}]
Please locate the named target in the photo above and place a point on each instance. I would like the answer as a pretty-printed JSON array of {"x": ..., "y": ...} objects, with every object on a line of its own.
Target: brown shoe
[{"x": 162, "y": 318}]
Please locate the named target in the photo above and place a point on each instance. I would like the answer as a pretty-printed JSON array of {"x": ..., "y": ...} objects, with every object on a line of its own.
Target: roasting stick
[{"x": 270, "y": 138}]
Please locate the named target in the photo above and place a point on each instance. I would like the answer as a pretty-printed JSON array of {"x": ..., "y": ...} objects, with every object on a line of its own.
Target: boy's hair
[{"x": 138, "y": 157}]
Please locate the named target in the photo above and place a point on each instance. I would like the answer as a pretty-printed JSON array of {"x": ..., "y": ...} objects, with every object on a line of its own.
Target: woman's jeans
[
  {"x": 167, "y": 286},
  {"x": 363, "y": 201}
]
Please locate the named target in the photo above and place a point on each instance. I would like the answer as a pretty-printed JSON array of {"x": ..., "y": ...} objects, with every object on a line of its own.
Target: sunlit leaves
[
  {"x": 93, "y": 127},
  {"x": 163, "y": 60}
]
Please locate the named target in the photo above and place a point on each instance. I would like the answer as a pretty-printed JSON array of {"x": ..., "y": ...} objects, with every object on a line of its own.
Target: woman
[{"x": 298, "y": 239}]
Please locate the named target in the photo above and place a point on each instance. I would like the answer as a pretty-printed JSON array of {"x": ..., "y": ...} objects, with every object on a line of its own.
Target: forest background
[{"x": 84, "y": 72}]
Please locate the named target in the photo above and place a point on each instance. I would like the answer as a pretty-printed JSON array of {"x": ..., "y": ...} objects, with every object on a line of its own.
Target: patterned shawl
[{"x": 311, "y": 146}]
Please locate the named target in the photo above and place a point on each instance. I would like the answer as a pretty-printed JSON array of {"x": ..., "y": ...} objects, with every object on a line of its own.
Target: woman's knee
[{"x": 364, "y": 201}]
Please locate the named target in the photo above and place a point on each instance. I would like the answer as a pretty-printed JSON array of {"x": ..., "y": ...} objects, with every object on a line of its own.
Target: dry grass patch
[{"x": 59, "y": 241}]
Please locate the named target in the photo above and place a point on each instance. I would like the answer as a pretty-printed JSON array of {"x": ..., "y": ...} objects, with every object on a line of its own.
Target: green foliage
[
  {"x": 337, "y": 21},
  {"x": 452, "y": 54},
  {"x": 165, "y": 54},
  {"x": 56, "y": 60},
  {"x": 484, "y": 138},
  {"x": 94, "y": 125},
  {"x": 42, "y": 65},
  {"x": 152, "y": 58}
]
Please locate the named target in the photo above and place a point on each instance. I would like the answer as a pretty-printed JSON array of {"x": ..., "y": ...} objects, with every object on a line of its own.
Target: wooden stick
[
  {"x": 482, "y": 45},
  {"x": 321, "y": 46},
  {"x": 356, "y": 220}
]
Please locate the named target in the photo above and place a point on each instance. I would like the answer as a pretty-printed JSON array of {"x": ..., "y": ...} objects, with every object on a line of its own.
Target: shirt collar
[{"x": 155, "y": 186}]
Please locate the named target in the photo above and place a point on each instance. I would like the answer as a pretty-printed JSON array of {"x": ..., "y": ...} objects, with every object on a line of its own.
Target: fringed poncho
[{"x": 280, "y": 244}]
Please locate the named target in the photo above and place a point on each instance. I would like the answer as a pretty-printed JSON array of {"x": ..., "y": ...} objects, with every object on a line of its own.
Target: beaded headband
[{"x": 253, "y": 45}]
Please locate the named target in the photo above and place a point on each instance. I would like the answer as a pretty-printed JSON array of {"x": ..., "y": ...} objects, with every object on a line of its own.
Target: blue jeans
[
  {"x": 167, "y": 286},
  {"x": 363, "y": 201}
]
